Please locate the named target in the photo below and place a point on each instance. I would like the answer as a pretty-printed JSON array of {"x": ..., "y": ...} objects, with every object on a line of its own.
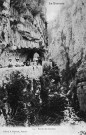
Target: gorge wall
[
  {"x": 69, "y": 34},
  {"x": 23, "y": 32},
  {"x": 23, "y": 43},
  {"x": 69, "y": 43},
  {"x": 23, "y": 27}
]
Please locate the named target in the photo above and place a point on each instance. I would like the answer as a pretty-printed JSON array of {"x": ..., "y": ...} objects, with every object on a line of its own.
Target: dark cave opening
[{"x": 30, "y": 53}]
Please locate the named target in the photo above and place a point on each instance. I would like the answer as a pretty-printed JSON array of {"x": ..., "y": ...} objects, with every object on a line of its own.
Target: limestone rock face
[
  {"x": 22, "y": 26},
  {"x": 69, "y": 41},
  {"x": 69, "y": 34},
  {"x": 81, "y": 86}
]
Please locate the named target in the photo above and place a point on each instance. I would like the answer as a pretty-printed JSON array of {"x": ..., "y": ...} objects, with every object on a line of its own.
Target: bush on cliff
[
  {"x": 53, "y": 103},
  {"x": 21, "y": 101}
]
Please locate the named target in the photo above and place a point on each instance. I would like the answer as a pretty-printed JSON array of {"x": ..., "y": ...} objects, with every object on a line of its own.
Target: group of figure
[{"x": 36, "y": 61}]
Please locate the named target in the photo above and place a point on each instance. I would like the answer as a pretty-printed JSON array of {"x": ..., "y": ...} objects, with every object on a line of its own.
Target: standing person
[{"x": 10, "y": 63}]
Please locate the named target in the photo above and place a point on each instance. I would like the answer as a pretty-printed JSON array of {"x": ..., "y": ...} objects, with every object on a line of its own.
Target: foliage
[
  {"x": 23, "y": 102},
  {"x": 15, "y": 93},
  {"x": 33, "y": 106},
  {"x": 53, "y": 103},
  {"x": 50, "y": 78}
]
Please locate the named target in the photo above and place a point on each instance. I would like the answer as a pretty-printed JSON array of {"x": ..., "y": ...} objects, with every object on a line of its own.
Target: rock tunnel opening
[{"x": 30, "y": 53}]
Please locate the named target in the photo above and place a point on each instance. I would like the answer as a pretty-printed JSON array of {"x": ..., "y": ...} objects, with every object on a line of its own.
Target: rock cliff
[
  {"x": 23, "y": 27},
  {"x": 69, "y": 34},
  {"x": 68, "y": 44}
]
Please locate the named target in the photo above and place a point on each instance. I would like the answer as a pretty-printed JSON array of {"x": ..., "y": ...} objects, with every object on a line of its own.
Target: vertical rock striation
[
  {"x": 69, "y": 42},
  {"x": 69, "y": 33}
]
